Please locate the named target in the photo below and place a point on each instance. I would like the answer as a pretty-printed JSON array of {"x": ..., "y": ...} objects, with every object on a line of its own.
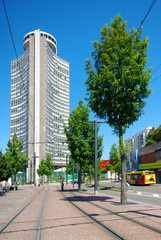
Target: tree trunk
[
  {"x": 15, "y": 182},
  {"x": 123, "y": 169},
  {"x": 123, "y": 181}
]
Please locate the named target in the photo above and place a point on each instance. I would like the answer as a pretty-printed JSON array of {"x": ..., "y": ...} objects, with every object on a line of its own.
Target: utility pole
[
  {"x": 34, "y": 168},
  {"x": 96, "y": 185},
  {"x": 73, "y": 173},
  {"x": 30, "y": 171},
  {"x": 67, "y": 169},
  {"x": 95, "y": 126}
]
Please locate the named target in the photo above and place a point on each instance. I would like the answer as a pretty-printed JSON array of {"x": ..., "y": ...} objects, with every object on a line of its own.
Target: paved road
[{"x": 150, "y": 194}]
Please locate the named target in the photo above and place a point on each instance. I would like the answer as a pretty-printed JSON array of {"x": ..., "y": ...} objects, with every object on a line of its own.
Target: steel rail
[
  {"x": 108, "y": 230},
  {"x": 117, "y": 214},
  {"x": 39, "y": 226},
  {"x": 11, "y": 220}
]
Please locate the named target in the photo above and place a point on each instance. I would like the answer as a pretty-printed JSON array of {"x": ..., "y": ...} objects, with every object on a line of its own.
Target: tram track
[
  {"x": 12, "y": 224},
  {"x": 118, "y": 215},
  {"x": 39, "y": 227},
  {"x": 105, "y": 228}
]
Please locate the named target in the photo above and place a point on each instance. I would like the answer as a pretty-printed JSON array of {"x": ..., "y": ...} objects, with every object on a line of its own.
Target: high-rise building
[
  {"x": 40, "y": 101},
  {"x": 136, "y": 142},
  {"x": 139, "y": 139}
]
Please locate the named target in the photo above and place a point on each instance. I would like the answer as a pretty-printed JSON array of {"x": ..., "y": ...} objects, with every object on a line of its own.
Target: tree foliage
[
  {"x": 5, "y": 168},
  {"x": 13, "y": 154},
  {"x": 114, "y": 156},
  {"x": 117, "y": 82},
  {"x": 154, "y": 136},
  {"x": 115, "y": 160},
  {"x": 46, "y": 167},
  {"x": 81, "y": 137}
]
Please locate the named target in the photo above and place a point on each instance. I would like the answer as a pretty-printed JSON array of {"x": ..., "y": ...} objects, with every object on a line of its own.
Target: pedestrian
[{"x": 62, "y": 186}]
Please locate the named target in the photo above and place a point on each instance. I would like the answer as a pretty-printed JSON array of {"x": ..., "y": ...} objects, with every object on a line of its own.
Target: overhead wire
[
  {"x": 18, "y": 63},
  {"x": 155, "y": 72},
  {"x": 147, "y": 14},
  {"x": 139, "y": 29}
]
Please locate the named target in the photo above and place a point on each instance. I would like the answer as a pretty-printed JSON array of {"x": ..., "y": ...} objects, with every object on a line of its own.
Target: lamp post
[
  {"x": 30, "y": 171},
  {"x": 95, "y": 126},
  {"x": 67, "y": 169},
  {"x": 96, "y": 185},
  {"x": 73, "y": 173}
]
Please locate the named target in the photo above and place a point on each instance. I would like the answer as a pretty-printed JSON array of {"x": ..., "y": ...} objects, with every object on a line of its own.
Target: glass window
[
  {"x": 149, "y": 172},
  {"x": 159, "y": 155}
]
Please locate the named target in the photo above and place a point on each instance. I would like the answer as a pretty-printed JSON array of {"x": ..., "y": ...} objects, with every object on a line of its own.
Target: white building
[
  {"x": 40, "y": 101},
  {"x": 137, "y": 141}
]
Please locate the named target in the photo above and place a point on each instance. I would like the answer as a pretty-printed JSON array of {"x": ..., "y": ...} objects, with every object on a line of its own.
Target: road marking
[
  {"x": 155, "y": 195},
  {"x": 138, "y": 193}
]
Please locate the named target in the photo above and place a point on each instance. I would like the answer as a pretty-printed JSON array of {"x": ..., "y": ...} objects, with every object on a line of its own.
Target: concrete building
[{"x": 40, "y": 101}]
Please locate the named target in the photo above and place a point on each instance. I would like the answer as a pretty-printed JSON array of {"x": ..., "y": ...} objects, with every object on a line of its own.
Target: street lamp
[
  {"x": 90, "y": 173},
  {"x": 95, "y": 126},
  {"x": 67, "y": 169},
  {"x": 73, "y": 173}
]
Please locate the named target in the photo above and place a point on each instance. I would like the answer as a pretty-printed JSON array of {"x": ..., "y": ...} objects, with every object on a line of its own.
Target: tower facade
[{"x": 40, "y": 101}]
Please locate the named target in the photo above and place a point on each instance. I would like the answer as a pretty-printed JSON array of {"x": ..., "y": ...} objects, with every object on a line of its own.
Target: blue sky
[{"x": 75, "y": 24}]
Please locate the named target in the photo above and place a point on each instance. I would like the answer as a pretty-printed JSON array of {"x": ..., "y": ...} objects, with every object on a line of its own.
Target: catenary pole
[
  {"x": 95, "y": 186},
  {"x": 67, "y": 169}
]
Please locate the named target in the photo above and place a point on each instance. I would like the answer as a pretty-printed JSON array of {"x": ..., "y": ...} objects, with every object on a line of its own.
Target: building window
[{"x": 159, "y": 154}]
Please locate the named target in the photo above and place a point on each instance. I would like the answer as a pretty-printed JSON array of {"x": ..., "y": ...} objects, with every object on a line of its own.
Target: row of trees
[{"x": 13, "y": 160}]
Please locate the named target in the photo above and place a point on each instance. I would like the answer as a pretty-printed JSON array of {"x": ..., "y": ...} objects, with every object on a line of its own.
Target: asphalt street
[{"x": 150, "y": 194}]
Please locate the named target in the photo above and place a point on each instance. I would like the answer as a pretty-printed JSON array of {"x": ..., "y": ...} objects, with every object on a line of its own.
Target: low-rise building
[{"x": 150, "y": 158}]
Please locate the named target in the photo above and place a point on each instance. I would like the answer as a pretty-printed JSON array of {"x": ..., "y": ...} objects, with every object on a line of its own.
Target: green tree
[
  {"x": 110, "y": 167},
  {"x": 46, "y": 167},
  {"x": 5, "y": 168},
  {"x": 118, "y": 168},
  {"x": 117, "y": 82},
  {"x": 154, "y": 136},
  {"x": 17, "y": 159},
  {"x": 114, "y": 157},
  {"x": 49, "y": 166},
  {"x": 41, "y": 168},
  {"x": 81, "y": 138}
]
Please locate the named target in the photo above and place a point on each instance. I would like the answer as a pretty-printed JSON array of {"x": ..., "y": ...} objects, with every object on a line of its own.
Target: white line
[
  {"x": 155, "y": 195},
  {"x": 138, "y": 193}
]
